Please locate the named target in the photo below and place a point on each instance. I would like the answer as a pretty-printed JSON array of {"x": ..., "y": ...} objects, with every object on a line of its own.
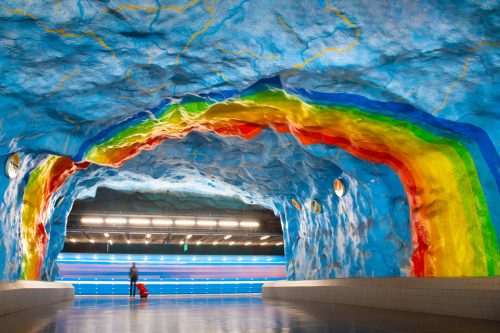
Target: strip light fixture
[
  {"x": 139, "y": 221},
  {"x": 227, "y": 224},
  {"x": 264, "y": 237},
  {"x": 249, "y": 224},
  {"x": 206, "y": 223},
  {"x": 185, "y": 222},
  {"x": 91, "y": 220},
  {"x": 169, "y": 221},
  {"x": 116, "y": 220},
  {"x": 162, "y": 222}
]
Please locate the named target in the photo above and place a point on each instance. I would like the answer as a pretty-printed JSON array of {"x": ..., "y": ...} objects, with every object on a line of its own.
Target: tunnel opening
[{"x": 181, "y": 243}]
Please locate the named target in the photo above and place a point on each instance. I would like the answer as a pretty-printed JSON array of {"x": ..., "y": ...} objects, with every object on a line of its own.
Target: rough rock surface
[{"x": 71, "y": 70}]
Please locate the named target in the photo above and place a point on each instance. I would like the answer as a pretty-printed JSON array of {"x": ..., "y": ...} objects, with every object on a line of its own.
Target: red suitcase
[{"x": 143, "y": 291}]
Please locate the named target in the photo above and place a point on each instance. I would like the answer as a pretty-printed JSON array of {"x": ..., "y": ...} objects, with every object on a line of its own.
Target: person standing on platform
[{"x": 134, "y": 276}]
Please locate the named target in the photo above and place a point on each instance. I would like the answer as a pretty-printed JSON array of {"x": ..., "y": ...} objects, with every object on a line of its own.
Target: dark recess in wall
[{"x": 173, "y": 249}]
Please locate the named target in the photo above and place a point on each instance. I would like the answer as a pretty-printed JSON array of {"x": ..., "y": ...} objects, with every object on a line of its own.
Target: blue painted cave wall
[
  {"x": 368, "y": 234},
  {"x": 57, "y": 91}
]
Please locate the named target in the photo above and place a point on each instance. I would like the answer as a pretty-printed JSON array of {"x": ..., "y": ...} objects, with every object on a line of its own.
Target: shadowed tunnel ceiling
[{"x": 396, "y": 103}]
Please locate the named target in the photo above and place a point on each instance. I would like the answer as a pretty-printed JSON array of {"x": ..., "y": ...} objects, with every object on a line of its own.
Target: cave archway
[{"x": 443, "y": 166}]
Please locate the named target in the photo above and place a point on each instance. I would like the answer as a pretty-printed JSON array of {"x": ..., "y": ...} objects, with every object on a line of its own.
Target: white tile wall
[
  {"x": 464, "y": 297},
  {"x": 21, "y": 295}
]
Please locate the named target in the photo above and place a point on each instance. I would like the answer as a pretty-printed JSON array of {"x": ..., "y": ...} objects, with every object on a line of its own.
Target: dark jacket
[{"x": 134, "y": 274}]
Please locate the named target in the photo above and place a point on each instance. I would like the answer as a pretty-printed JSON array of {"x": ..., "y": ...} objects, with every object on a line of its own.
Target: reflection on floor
[{"x": 226, "y": 314}]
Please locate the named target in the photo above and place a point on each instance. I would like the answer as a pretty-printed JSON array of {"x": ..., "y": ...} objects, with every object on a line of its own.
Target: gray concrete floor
[{"x": 226, "y": 314}]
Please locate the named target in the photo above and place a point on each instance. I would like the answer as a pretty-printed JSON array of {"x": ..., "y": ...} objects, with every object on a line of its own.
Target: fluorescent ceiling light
[
  {"x": 189, "y": 236},
  {"x": 110, "y": 242},
  {"x": 206, "y": 223},
  {"x": 248, "y": 243},
  {"x": 91, "y": 220},
  {"x": 73, "y": 240},
  {"x": 228, "y": 224},
  {"x": 279, "y": 243},
  {"x": 263, "y": 243},
  {"x": 139, "y": 221},
  {"x": 228, "y": 236},
  {"x": 231, "y": 243},
  {"x": 249, "y": 224},
  {"x": 181, "y": 242},
  {"x": 146, "y": 242},
  {"x": 185, "y": 222},
  {"x": 129, "y": 241},
  {"x": 198, "y": 242},
  {"x": 148, "y": 235},
  {"x": 264, "y": 237},
  {"x": 106, "y": 235},
  {"x": 116, "y": 220},
  {"x": 92, "y": 241},
  {"x": 215, "y": 243},
  {"x": 162, "y": 222}
]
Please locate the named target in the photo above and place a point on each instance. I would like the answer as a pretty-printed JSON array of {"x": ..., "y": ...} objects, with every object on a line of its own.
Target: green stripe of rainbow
[{"x": 452, "y": 231}]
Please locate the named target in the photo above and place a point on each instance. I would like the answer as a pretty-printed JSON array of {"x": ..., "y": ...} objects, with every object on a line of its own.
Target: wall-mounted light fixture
[
  {"x": 13, "y": 165},
  {"x": 339, "y": 187}
]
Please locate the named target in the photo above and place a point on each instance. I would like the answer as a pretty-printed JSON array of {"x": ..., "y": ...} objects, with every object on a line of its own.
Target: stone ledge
[
  {"x": 462, "y": 297},
  {"x": 22, "y": 295}
]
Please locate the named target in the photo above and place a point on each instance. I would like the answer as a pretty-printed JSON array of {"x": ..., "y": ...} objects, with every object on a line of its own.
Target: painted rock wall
[{"x": 266, "y": 101}]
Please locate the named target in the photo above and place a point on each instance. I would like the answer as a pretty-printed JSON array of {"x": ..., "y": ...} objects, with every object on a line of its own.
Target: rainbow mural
[{"x": 444, "y": 166}]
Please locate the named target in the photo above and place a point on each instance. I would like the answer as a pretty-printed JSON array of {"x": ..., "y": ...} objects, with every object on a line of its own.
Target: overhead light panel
[
  {"x": 206, "y": 223},
  {"x": 228, "y": 236},
  {"x": 162, "y": 222},
  {"x": 228, "y": 224},
  {"x": 249, "y": 224},
  {"x": 215, "y": 243},
  {"x": 116, "y": 220},
  {"x": 106, "y": 235},
  {"x": 92, "y": 241},
  {"x": 110, "y": 242},
  {"x": 231, "y": 243},
  {"x": 248, "y": 243},
  {"x": 146, "y": 242},
  {"x": 279, "y": 243},
  {"x": 139, "y": 221},
  {"x": 264, "y": 237},
  {"x": 91, "y": 220},
  {"x": 198, "y": 243},
  {"x": 189, "y": 236},
  {"x": 185, "y": 222},
  {"x": 181, "y": 242},
  {"x": 73, "y": 240},
  {"x": 263, "y": 243},
  {"x": 129, "y": 241}
]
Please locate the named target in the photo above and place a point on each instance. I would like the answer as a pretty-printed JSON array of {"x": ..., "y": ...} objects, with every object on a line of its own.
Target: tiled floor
[{"x": 226, "y": 314}]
